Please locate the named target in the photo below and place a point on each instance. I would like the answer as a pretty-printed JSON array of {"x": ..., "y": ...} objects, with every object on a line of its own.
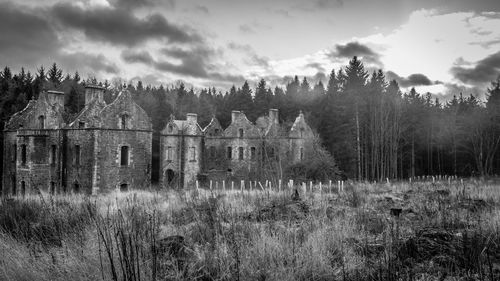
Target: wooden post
[
  {"x": 216, "y": 185},
  {"x": 224, "y": 185},
  {"x": 279, "y": 185},
  {"x": 338, "y": 186},
  {"x": 342, "y": 186},
  {"x": 261, "y": 186},
  {"x": 311, "y": 186},
  {"x": 232, "y": 185},
  {"x": 210, "y": 184},
  {"x": 304, "y": 187},
  {"x": 330, "y": 186},
  {"x": 320, "y": 188},
  {"x": 242, "y": 184}
]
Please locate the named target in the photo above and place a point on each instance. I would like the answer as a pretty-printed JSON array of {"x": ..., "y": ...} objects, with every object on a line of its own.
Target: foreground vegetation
[{"x": 404, "y": 231}]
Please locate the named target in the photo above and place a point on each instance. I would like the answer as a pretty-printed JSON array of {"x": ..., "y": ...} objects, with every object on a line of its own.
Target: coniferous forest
[{"x": 373, "y": 129}]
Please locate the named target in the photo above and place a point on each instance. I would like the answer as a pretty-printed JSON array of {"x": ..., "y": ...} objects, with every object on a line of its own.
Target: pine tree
[{"x": 55, "y": 75}]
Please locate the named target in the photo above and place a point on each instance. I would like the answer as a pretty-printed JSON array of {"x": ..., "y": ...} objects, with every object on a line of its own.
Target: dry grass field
[{"x": 400, "y": 231}]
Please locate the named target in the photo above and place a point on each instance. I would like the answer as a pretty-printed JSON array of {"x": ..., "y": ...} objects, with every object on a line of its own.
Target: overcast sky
[{"x": 440, "y": 46}]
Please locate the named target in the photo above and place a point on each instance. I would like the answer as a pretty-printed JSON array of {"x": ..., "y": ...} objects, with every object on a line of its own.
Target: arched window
[
  {"x": 253, "y": 153},
  {"x": 23, "y": 154},
  {"x": 52, "y": 188},
  {"x": 41, "y": 122},
  {"x": 23, "y": 188},
  {"x": 124, "y": 157},
  {"x": 240, "y": 153},
  {"x": 123, "y": 121},
  {"x": 170, "y": 128}
]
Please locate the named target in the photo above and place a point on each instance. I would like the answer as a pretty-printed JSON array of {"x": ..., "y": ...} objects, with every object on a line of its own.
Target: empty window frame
[
  {"x": 124, "y": 155},
  {"x": 212, "y": 152},
  {"x": 123, "y": 121},
  {"x": 81, "y": 125},
  {"x": 301, "y": 153},
  {"x": 240, "y": 153},
  {"x": 53, "y": 154},
  {"x": 23, "y": 155},
  {"x": 192, "y": 152},
  {"x": 41, "y": 122},
  {"x": 77, "y": 155},
  {"x": 52, "y": 188},
  {"x": 253, "y": 153},
  {"x": 123, "y": 187},
  {"x": 229, "y": 153},
  {"x": 240, "y": 133}
]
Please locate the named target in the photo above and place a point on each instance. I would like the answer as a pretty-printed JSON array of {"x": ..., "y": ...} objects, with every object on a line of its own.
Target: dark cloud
[
  {"x": 26, "y": 36},
  {"x": 412, "y": 80},
  {"x": 133, "y": 4},
  {"x": 120, "y": 26},
  {"x": 352, "y": 49},
  {"x": 85, "y": 62},
  {"x": 137, "y": 57},
  {"x": 317, "y": 66},
  {"x": 484, "y": 71}
]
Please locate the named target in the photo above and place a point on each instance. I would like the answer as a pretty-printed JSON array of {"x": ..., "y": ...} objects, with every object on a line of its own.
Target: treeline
[{"x": 373, "y": 130}]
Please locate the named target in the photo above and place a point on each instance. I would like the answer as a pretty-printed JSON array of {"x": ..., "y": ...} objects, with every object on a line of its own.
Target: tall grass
[{"x": 441, "y": 232}]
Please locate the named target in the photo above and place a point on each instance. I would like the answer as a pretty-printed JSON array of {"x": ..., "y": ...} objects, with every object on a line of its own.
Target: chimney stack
[
  {"x": 55, "y": 97},
  {"x": 94, "y": 92},
  {"x": 273, "y": 116},
  {"x": 234, "y": 115},
  {"x": 192, "y": 117}
]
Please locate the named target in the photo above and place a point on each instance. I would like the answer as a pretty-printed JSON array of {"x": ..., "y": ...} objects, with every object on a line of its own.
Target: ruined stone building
[
  {"x": 243, "y": 150},
  {"x": 109, "y": 147}
]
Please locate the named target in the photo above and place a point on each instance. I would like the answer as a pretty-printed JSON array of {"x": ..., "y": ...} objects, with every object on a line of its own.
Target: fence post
[
  {"x": 197, "y": 185},
  {"x": 342, "y": 186},
  {"x": 216, "y": 185},
  {"x": 304, "y": 187},
  {"x": 311, "y": 186},
  {"x": 242, "y": 186},
  {"x": 330, "y": 186},
  {"x": 320, "y": 188},
  {"x": 279, "y": 185},
  {"x": 338, "y": 186},
  {"x": 232, "y": 185},
  {"x": 224, "y": 185},
  {"x": 210, "y": 184}
]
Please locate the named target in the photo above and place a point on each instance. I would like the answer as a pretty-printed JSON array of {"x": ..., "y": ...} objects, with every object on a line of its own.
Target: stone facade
[
  {"x": 107, "y": 146},
  {"x": 241, "y": 151}
]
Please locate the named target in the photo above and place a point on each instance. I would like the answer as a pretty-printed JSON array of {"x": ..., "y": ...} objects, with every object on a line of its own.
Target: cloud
[
  {"x": 484, "y": 71},
  {"x": 316, "y": 65},
  {"x": 26, "y": 36},
  {"x": 86, "y": 62},
  {"x": 133, "y": 4},
  {"x": 255, "y": 59},
  {"x": 202, "y": 9},
  {"x": 413, "y": 80},
  {"x": 246, "y": 28},
  {"x": 315, "y": 5},
  {"x": 120, "y": 26},
  {"x": 137, "y": 57},
  {"x": 352, "y": 49}
]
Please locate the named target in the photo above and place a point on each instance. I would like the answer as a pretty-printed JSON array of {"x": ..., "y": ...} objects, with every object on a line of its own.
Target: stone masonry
[{"x": 109, "y": 147}]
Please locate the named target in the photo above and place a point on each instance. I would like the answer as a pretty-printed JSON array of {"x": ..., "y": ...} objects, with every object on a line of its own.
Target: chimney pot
[
  {"x": 192, "y": 117},
  {"x": 234, "y": 115}
]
